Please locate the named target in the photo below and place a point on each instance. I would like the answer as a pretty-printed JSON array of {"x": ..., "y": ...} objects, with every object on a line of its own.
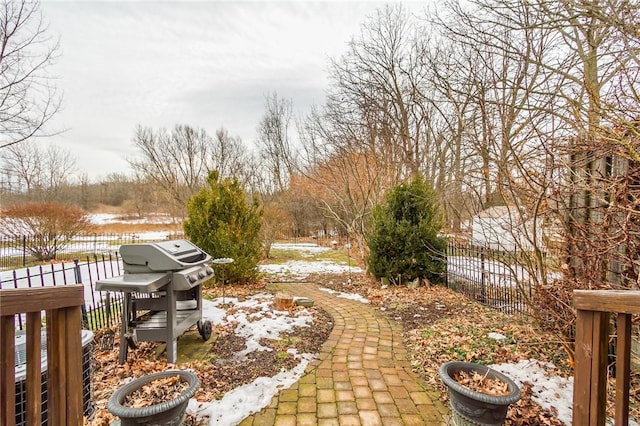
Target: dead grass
[{"x": 134, "y": 228}]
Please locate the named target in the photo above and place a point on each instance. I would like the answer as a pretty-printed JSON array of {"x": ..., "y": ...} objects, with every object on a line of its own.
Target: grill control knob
[
  {"x": 192, "y": 278},
  {"x": 202, "y": 274},
  {"x": 209, "y": 271}
]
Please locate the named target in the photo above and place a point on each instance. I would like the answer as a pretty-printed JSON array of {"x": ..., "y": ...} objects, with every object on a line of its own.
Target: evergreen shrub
[
  {"x": 226, "y": 224},
  {"x": 404, "y": 243}
]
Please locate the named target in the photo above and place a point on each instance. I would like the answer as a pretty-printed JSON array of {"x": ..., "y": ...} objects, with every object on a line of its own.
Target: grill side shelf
[{"x": 139, "y": 283}]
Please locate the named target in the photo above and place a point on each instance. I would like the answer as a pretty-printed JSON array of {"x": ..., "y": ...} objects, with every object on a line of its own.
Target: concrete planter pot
[
  {"x": 168, "y": 413},
  {"x": 475, "y": 408}
]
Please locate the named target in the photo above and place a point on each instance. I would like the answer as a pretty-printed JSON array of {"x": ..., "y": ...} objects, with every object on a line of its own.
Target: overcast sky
[{"x": 205, "y": 64}]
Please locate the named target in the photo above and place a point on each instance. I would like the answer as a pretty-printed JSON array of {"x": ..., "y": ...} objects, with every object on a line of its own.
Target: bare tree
[
  {"x": 176, "y": 161},
  {"x": 274, "y": 142},
  {"x": 229, "y": 155},
  {"x": 347, "y": 178},
  {"x": 552, "y": 83},
  {"x": 179, "y": 161},
  {"x": 375, "y": 87},
  {"x": 449, "y": 98},
  {"x": 48, "y": 226},
  {"x": 43, "y": 172},
  {"x": 28, "y": 99},
  {"x": 26, "y": 163},
  {"x": 373, "y": 132},
  {"x": 59, "y": 167}
]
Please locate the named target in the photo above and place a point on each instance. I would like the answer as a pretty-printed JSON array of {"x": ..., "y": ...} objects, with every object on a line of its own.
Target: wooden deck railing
[
  {"x": 592, "y": 339},
  {"x": 64, "y": 353}
]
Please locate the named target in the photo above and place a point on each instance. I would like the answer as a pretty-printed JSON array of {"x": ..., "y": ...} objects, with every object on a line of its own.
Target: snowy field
[{"x": 300, "y": 269}]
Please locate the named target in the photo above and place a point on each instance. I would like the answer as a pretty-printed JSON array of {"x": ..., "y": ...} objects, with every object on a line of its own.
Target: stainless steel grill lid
[{"x": 162, "y": 256}]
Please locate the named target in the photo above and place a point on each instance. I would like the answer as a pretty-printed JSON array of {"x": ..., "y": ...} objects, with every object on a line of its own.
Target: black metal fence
[
  {"x": 493, "y": 277},
  {"x": 22, "y": 251},
  {"x": 101, "y": 309}
]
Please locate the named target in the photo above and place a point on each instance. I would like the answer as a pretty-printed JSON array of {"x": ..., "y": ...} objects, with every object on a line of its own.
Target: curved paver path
[{"x": 362, "y": 376}]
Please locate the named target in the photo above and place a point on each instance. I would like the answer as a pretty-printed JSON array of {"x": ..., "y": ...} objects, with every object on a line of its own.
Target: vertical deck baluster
[
  {"x": 34, "y": 368},
  {"x": 623, "y": 368}
]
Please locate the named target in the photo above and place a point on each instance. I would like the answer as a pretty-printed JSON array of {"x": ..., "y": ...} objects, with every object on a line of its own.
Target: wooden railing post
[
  {"x": 34, "y": 368},
  {"x": 591, "y": 354},
  {"x": 589, "y": 388},
  {"x": 64, "y": 353},
  {"x": 623, "y": 369},
  {"x": 7, "y": 371}
]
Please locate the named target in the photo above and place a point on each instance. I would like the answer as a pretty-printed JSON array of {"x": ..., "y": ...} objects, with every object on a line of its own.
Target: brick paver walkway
[{"x": 362, "y": 376}]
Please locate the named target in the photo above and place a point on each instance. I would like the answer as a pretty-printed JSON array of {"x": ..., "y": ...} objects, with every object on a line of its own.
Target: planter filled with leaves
[
  {"x": 154, "y": 399},
  {"x": 478, "y": 395}
]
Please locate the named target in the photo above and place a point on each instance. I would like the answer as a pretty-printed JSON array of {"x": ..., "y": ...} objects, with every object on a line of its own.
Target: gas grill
[{"x": 162, "y": 287}]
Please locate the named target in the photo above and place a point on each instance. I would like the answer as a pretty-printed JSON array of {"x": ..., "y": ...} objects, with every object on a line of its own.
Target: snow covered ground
[
  {"x": 64, "y": 273},
  {"x": 554, "y": 393},
  {"x": 300, "y": 269}
]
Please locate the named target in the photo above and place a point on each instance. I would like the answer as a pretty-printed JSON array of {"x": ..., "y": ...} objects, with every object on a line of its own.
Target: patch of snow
[
  {"x": 351, "y": 296},
  {"x": 300, "y": 269},
  {"x": 496, "y": 336},
  {"x": 305, "y": 247},
  {"x": 253, "y": 319},
  {"x": 253, "y": 326},
  {"x": 247, "y": 399},
  {"x": 493, "y": 272},
  {"x": 552, "y": 392}
]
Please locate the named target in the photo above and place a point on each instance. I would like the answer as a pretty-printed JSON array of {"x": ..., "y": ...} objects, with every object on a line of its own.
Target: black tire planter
[
  {"x": 168, "y": 413},
  {"x": 476, "y": 408}
]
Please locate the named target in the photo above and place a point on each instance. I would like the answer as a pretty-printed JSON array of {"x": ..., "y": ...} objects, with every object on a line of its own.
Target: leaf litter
[
  {"x": 481, "y": 383},
  {"x": 156, "y": 392}
]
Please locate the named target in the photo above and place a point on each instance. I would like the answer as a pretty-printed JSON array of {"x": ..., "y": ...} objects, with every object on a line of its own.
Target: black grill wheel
[{"x": 204, "y": 328}]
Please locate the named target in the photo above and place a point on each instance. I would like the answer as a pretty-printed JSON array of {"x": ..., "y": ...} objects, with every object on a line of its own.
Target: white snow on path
[{"x": 351, "y": 296}]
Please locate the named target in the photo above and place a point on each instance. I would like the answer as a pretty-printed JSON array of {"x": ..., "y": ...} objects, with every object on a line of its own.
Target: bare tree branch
[{"x": 28, "y": 97}]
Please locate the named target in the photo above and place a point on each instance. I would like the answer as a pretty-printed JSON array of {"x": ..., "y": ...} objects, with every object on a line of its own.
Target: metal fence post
[
  {"x": 24, "y": 251},
  {"x": 78, "y": 275},
  {"x": 447, "y": 254},
  {"x": 482, "y": 277}
]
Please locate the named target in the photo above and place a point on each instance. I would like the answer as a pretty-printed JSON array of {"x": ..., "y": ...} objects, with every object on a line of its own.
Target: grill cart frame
[{"x": 162, "y": 288}]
